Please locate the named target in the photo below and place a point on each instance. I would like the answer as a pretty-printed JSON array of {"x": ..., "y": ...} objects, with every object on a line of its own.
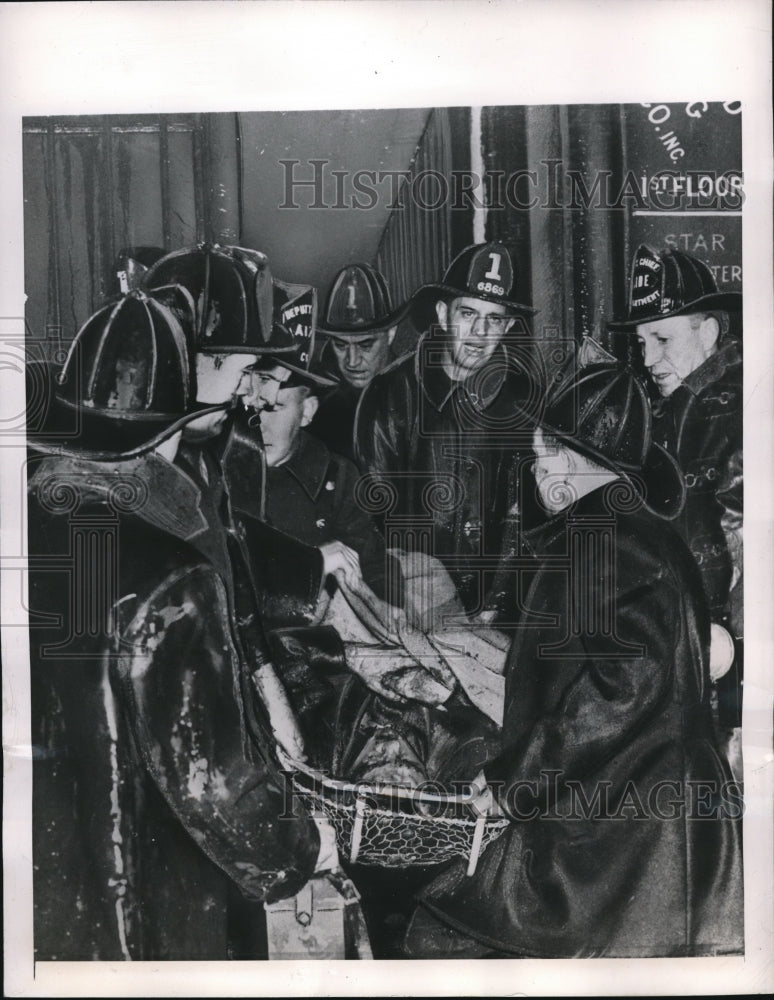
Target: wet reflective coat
[
  {"x": 626, "y": 832},
  {"x": 142, "y": 692}
]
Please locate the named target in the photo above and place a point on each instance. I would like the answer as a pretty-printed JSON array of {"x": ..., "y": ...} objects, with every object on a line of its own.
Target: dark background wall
[
  {"x": 311, "y": 195},
  {"x": 571, "y": 187}
]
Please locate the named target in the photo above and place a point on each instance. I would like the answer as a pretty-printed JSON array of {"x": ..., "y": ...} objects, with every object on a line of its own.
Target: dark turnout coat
[
  {"x": 701, "y": 425},
  {"x": 143, "y": 694},
  {"x": 443, "y": 458},
  {"x": 626, "y": 830},
  {"x": 334, "y": 422}
]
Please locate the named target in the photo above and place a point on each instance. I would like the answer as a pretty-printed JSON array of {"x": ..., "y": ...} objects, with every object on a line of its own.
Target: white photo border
[{"x": 113, "y": 58}]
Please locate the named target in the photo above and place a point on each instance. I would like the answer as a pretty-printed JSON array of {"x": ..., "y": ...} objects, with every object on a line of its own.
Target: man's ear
[
  {"x": 442, "y": 312},
  {"x": 709, "y": 332},
  {"x": 391, "y": 334},
  {"x": 308, "y": 409}
]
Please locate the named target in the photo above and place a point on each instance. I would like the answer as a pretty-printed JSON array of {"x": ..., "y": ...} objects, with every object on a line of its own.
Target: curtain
[{"x": 96, "y": 185}]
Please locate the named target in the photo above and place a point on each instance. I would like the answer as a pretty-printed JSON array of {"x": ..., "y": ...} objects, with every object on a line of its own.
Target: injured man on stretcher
[{"x": 393, "y": 696}]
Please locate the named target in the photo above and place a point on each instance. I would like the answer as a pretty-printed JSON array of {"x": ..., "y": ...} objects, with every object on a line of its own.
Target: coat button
[
  {"x": 330, "y": 485},
  {"x": 320, "y": 522}
]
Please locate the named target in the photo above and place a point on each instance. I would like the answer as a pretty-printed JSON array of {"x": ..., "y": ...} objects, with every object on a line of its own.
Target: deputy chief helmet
[{"x": 295, "y": 310}]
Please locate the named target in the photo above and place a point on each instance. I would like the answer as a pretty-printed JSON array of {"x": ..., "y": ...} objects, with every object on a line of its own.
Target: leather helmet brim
[
  {"x": 302, "y": 375},
  {"x": 281, "y": 342},
  {"x": 422, "y": 302},
  {"x": 372, "y": 326},
  {"x": 725, "y": 301},
  {"x": 659, "y": 484},
  {"x": 80, "y": 432}
]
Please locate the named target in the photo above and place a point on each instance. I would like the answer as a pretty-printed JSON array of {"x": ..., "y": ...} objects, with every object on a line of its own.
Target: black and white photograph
[{"x": 378, "y": 508}]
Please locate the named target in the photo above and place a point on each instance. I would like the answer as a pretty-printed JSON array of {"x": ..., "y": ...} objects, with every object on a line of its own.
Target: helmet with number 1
[
  {"x": 485, "y": 271},
  {"x": 359, "y": 302}
]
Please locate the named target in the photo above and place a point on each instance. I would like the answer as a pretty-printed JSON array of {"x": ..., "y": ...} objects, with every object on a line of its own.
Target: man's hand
[{"x": 339, "y": 558}]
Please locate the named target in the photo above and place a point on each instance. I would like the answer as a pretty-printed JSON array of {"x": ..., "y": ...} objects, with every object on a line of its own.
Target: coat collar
[
  {"x": 439, "y": 388},
  {"x": 149, "y": 488},
  {"x": 543, "y": 538},
  {"x": 308, "y": 465},
  {"x": 714, "y": 368},
  {"x": 710, "y": 371}
]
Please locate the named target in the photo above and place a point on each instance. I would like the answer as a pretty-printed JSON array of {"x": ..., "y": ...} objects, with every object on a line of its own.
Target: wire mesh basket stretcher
[
  {"x": 399, "y": 825},
  {"x": 396, "y": 826}
]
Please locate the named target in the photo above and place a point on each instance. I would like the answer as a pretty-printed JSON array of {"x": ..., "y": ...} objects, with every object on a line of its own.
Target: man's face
[
  {"x": 220, "y": 378},
  {"x": 672, "y": 348},
  {"x": 475, "y": 328},
  {"x": 265, "y": 385},
  {"x": 360, "y": 358},
  {"x": 283, "y": 412}
]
